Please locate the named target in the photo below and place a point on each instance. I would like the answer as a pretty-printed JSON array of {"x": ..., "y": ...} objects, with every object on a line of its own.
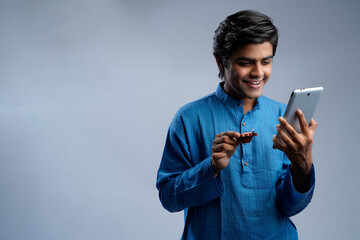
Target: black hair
[{"x": 241, "y": 28}]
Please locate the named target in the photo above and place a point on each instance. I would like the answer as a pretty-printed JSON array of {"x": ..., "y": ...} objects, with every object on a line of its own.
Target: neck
[{"x": 249, "y": 104}]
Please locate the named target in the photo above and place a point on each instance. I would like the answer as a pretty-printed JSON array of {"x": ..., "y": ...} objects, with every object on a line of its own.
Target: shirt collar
[{"x": 227, "y": 100}]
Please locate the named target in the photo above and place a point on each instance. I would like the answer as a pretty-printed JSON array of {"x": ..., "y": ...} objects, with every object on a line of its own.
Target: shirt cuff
[
  {"x": 215, "y": 178},
  {"x": 295, "y": 200},
  {"x": 290, "y": 180}
]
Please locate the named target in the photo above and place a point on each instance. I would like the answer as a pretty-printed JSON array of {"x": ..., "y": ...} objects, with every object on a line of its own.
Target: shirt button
[
  {"x": 245, "y": 163},
  {"x": 243, "y": 124}
]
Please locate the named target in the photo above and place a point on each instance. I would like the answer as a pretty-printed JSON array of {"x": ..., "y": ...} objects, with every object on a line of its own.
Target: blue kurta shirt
[{"x": 253, "y": 197}]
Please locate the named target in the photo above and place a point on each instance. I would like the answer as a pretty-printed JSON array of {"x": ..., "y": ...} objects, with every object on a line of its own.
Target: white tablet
[{"x": 305, "y": 99}]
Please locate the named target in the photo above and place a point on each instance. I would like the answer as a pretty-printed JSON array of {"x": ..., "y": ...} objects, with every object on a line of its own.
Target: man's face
[{"x": 248, "y": 70}]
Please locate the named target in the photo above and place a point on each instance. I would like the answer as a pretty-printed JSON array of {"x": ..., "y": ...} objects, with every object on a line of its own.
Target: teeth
[{"x": 253, "y": 83}]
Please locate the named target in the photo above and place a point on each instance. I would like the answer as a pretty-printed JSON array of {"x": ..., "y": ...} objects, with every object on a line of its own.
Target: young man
[{"x": 229, "y": 189}]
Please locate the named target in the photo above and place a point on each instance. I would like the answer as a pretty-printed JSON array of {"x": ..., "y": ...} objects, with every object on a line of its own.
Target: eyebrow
[{"x": 251, "y": 59}]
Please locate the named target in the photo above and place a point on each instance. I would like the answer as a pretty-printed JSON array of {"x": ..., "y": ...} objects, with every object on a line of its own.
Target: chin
[{"x": 255, "y": 95}]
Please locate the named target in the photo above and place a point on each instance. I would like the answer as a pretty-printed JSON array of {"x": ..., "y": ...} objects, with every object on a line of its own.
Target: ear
[{"x": 219, "y": 63}]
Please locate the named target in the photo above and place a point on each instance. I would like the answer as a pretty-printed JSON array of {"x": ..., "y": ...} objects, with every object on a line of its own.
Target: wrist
[
  {"x": 215, "y": 169},
  {"x": 301, "y": 178},
  {"x": 301, "y": 171}
]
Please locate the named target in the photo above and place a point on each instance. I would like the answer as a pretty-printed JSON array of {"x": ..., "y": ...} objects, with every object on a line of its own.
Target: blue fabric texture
[{"x": 253, "y": 197}]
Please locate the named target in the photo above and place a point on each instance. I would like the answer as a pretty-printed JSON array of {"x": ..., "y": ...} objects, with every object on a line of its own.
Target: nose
[{"x": 257, "y": 71}]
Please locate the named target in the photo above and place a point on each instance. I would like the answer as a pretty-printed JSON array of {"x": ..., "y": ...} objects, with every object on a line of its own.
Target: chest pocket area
[{"x": 260, "y": 170}]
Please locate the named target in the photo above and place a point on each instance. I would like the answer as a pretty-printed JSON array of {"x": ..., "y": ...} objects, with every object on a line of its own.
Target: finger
[
  {"x": 247, "y": 134},
  {"x": 288, "y": 128},
  {"x": 313, "y": 124},
  {"x": 244, "y": 140},
  {"x": 231, "y": 134},
  {"x": 279, "y": 145},
  {"x": 289, "y": 142},
  {"x": 218, "y": 155},
  {"x": 248, "y": 139},
  {"x": 223, "y": 147},
  {"x": 219, "y": 135},
  {"x": 226, "y": 139},
  {"x": 244, "y": 135},
  {"x": 303, "y": 124}
]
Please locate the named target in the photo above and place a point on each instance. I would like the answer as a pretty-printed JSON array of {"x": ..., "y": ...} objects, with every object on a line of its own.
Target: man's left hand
[{"x": 298, "y": 148}]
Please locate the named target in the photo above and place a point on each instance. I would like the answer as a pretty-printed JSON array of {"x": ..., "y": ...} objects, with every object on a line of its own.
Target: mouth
[{"x": 255, "y": 84}]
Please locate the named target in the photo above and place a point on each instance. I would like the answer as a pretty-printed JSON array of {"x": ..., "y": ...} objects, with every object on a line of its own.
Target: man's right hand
[{"x": 224, "y": 146}]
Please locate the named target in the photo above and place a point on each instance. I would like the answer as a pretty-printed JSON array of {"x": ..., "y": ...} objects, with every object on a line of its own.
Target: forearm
[
  {"x": 289, "y": 200},
  {"x": 301, "y": 179},
  {"x": 192, "y": 187}
]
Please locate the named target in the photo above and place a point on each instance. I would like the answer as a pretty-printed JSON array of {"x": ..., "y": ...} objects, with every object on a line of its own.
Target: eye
[
  {"x": 243, "y": 63},
  {"x": 266, "y": 62}
]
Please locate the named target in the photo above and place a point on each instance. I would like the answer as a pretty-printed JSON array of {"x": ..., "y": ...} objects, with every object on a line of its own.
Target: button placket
[{"x": 245, "y": 147}]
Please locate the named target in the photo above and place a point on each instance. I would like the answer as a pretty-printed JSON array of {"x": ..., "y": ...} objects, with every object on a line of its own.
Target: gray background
[{"x": 88, "y": 90}]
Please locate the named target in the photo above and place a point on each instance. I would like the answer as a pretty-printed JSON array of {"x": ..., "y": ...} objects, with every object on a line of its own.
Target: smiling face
[{"x": 248, "y": 70}]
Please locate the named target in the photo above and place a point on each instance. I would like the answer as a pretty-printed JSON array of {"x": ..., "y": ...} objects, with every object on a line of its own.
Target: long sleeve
[
  {"x": 181, "y": 181},
  {"x": 289, "y": 201}
]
